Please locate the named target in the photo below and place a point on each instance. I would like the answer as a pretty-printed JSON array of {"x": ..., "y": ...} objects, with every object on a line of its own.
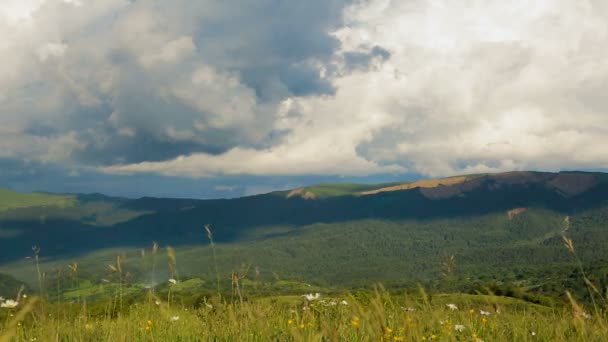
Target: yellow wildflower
[
  {"x": 301, "y": 325},
  {"x": 290, "y": 322},
  {"x": 472, "y": 311}
]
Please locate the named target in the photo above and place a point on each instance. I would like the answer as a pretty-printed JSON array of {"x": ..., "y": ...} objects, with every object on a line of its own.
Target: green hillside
[
  {"x": 14, "y": 200},
  {"x": 503, "y": 231}
]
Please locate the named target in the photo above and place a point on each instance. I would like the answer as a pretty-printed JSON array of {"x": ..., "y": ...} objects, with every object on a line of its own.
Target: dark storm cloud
[{"x": 151, "y": 80}]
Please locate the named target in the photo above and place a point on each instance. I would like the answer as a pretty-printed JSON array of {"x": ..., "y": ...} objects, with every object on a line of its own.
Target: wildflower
[
  {"x": 1, "y": 299},
  {"x": 408, "y": 309},
  {"x": 290, "y": 322},
  {"x": 9, "y": 304},
  {"x": 459, "y": 327},
  {"x": 343, "y": 302},
  {"x": 311, "y": 296},
  {"x": 209, "y": 305},
  {"x": 397, "y": 338},
  {"x": 355, "y": 321},
  {"x": 433, "y": 337},
  {"x": 484, "y": 313},
  {"x": 88, "y": 326},
  {"x": 533, "y": 333},
  {"x": 301, "y": 326},
  {"x": 173, "y": 281},
  {"x": 157, "y": 302},
  {"x": 452, "y": 307},
  {"x": 472, "y": 311},
  {"x": 484, "y": 320},
  {"x": 174, "y": 318},
  {"x": 586, "y": 315},
  {"x": 24, "y": 296},
  {"x": 333, "y": 303},
  {"x": 388, "y": 330}
]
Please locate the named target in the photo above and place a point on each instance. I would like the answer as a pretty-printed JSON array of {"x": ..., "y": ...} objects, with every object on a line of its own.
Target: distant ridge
[{"x": 567, "y": 183}]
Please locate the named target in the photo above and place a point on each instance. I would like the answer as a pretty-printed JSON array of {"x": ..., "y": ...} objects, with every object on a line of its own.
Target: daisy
[
  {"x": 459, "y": 327},
  {"x": 311, "y": 297},
  {"x": 9, "y": 304}
]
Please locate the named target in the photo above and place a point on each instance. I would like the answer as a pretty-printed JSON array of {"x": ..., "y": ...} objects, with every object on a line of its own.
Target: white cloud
[{"x": 148, "y": 87}]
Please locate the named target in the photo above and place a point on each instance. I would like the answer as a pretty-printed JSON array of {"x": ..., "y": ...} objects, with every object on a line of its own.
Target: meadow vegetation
[{"x": 244, "y": 307}]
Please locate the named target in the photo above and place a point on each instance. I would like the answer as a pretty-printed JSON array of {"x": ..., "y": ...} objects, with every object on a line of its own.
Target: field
[{"x": 364, "y": 316}]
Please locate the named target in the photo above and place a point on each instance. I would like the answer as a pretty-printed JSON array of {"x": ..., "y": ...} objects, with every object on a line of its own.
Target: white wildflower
[
  {"x": 533, "y": 333},
  {"x": 484, "y": 313},
  {"x": 157, "y": 302},
  {"x": 174, "y": 318},
  {"x": 173, "y": 281},
  {"x": 452, "y": 307},
  {"x": 24, "y": 295},
  {"x": 586, "y": 315},
  {"x": 344, "y": 302},
  {"x": 311, "y": 296},
  {"x": 459, "y": 327},
  {"x": 333, "y": 303},
  {"x": 9, "y": 304}
]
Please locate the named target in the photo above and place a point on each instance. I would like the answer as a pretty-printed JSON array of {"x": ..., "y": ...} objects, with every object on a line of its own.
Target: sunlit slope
[{"x": 15, "y": 200}]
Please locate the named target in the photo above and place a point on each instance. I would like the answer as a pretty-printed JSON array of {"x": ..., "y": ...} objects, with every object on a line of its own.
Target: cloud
[
  {"x": 487, "y": 86},
  {"x": 150, "y": 81},
  {"x": 205, "y": 88}
]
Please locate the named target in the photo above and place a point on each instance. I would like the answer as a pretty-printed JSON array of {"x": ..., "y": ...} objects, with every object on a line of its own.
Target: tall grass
[{"x": 378, "y": 316}]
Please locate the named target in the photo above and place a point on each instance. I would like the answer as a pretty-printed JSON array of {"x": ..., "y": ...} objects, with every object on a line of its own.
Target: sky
[{"x": 203, "y": 99}]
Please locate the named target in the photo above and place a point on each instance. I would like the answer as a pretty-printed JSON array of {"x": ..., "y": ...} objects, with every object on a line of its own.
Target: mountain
[{"x": 509, "y": 224}]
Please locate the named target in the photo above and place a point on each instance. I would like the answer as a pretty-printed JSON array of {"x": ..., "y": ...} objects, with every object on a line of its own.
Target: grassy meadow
[
  {"x": 368, "y": 316},
  {"x": 246, "y": 308}
]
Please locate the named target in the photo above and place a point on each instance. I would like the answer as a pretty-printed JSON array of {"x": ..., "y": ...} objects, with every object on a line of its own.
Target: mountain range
[{"x": 507, "y": 224}]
